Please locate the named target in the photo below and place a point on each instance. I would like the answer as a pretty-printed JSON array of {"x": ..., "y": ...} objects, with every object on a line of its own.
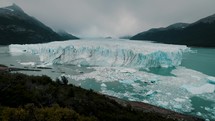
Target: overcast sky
[{"x": 100, "y": 18}]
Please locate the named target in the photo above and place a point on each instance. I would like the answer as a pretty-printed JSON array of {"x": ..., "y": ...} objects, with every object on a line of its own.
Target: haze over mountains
[
  {"x": 16, "y": 27},
  {"x": 200, "y": 33}
]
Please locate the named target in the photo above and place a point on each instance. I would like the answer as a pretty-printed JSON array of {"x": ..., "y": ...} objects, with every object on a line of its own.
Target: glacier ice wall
[{"x": 114, "y": 53}]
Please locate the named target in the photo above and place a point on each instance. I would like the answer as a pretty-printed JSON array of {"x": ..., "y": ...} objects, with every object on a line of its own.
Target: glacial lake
[{"x": 187, "y": 88}]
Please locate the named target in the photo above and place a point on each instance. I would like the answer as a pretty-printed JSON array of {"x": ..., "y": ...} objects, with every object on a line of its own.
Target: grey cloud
[{"x": 93, "y": 18}]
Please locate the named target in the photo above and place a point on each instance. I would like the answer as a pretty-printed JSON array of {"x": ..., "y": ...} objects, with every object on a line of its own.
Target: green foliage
[
  {"x": 11, "y": 114},
  {"x": 31, "y": 113}
]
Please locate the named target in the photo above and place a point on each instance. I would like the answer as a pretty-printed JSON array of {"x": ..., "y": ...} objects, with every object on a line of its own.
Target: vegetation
[
  {"x": 39, "y": 98},
  {"x": 31, "y": 113}
]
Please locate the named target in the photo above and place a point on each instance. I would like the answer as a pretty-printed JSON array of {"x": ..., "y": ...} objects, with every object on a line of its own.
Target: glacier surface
[{"x": 106, "y": 53}]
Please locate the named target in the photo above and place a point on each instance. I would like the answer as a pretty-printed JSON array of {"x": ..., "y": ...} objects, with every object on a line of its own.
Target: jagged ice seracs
[{"x": 106, "y": 53}]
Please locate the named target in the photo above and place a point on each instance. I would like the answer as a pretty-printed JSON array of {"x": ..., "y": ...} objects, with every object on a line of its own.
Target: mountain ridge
[
  {"x": 200, "y": 33},
  {"x": 17, "y": 27}
]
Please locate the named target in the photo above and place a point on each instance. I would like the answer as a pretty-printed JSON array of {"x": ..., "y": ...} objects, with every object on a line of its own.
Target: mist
[{"x": 115, "y": 18}]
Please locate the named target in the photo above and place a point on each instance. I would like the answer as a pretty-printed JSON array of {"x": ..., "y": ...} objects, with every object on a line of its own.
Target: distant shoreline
[{"x": 4, "y": 68}]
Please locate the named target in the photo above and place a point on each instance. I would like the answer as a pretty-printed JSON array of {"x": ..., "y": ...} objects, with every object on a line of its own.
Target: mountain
[
  {"x": 66, "y": 36},
  {"x": 200, "y": 33},
  {"x": 16, "y": 27}
]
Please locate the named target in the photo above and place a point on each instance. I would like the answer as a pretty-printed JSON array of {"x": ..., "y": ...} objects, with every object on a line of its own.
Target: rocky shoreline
[{"x": 11, "y": 69}]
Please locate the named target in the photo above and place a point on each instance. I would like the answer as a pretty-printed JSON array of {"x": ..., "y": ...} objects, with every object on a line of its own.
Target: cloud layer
[{"x": 99, "y": 18}]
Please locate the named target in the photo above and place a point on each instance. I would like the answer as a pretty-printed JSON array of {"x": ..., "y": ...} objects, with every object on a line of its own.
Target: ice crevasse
[{"x": 106, "y": 53}]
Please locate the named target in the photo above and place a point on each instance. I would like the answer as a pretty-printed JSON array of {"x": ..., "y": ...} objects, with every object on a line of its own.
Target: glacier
[
  {"x": 105, "y": 53},
  {"x": 114, "y": 67}
]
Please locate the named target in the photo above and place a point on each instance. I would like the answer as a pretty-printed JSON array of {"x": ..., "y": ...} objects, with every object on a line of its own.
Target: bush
[{"x": 31, "y": 113}]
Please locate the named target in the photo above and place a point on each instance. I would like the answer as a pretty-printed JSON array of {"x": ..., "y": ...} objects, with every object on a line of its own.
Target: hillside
[
  {"x": 200, "y": 33},
  {"x": 16, "y": 27}
]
